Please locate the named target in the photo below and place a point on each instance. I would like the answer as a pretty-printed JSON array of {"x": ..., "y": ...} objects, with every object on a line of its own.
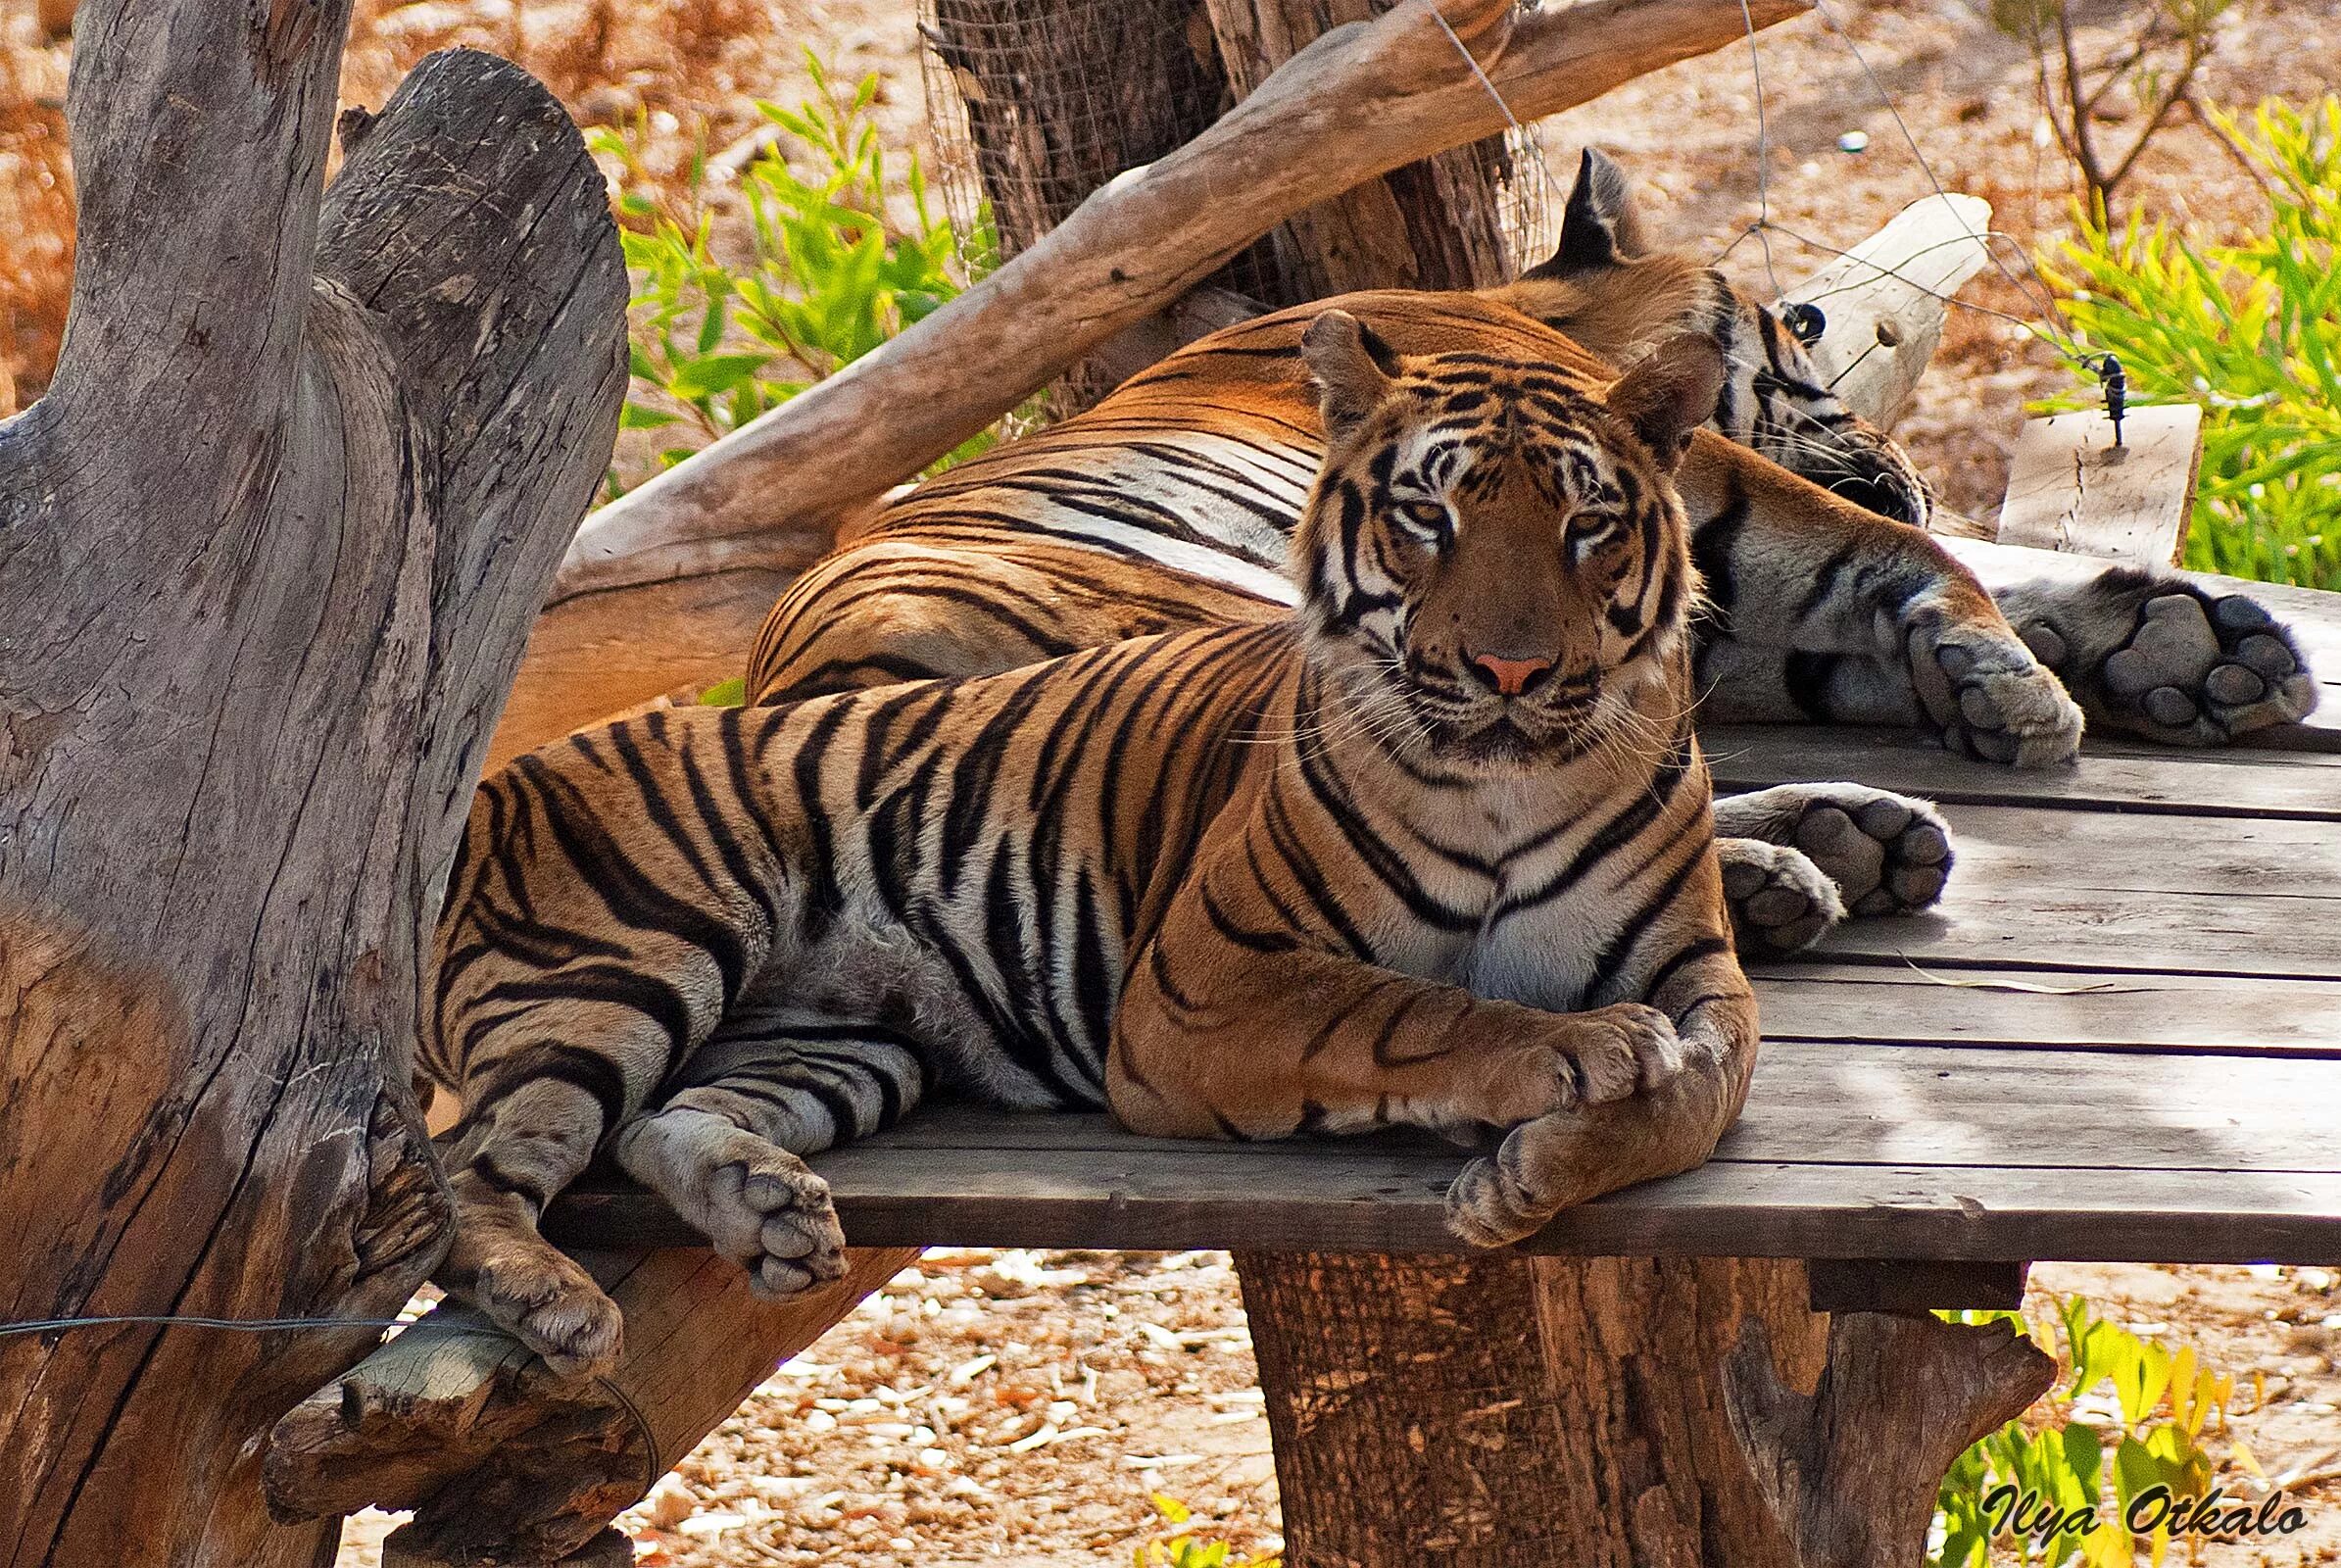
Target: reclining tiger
[
  {"x": 1169, "y": 505},
  {"x": 1433, "y": 850}
]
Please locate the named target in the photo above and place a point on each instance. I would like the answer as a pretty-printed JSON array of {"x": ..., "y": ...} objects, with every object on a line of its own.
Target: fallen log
[{"x": 1359, "y": 101}]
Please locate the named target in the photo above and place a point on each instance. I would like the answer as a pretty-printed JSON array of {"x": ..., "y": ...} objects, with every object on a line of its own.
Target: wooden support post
[
  {"x": 502, "y": 1462},
  {"x": 1505, "y": 1411},
  {"x": 1852, "y": 1467},
  {"x": 2070, "y": 488}
]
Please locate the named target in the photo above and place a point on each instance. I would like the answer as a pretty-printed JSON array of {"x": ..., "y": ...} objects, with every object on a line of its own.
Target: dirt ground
[{"x": 1018, "y": 1408}]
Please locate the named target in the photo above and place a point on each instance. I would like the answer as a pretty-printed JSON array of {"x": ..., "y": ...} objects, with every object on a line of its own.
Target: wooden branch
[
  {"x": 1362, "y": 99},
  {"x": 267, "y": 556},
  {"x": 502, "y": 1462},
  {"x": 1851, "y": 1469},
  {"x": 1888, "y": 298}
]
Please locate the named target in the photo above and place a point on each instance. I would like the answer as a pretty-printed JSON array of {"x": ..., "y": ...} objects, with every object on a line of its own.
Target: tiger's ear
[
  {"x": 1352, "y": 368},
  {"x": 1670, "y": 394},
  {"x": 1600, "y": 227}
]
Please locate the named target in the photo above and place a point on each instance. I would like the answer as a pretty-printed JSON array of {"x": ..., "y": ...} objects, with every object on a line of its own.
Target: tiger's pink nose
[{"x": 1510, "y": 677}]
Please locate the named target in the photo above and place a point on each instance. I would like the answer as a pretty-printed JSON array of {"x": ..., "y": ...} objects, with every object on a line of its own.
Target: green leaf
[
  {"x": 642, "y": 416},
  {"x": 711, "y": 374}
]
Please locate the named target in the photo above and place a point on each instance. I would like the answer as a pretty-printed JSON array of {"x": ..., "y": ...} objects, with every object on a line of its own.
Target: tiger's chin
[{"x": 1501, "y": 744}]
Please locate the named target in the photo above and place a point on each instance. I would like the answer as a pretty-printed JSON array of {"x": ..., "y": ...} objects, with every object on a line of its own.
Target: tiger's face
[{"x": 1493, "y": 566}]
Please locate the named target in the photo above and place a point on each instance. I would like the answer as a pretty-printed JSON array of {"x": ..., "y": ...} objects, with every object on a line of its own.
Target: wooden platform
[{"x": 2119, "y": 1038}]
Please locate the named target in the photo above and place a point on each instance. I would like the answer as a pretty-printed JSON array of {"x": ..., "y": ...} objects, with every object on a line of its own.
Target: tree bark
[
  {"x": 268, "y": 550},
  {"x": 1359, "y": 101},
  {"x": 501, "y": 1462},
  {"x": 1434, "y": 223},
  {"x": 1507, "y": 1411}
]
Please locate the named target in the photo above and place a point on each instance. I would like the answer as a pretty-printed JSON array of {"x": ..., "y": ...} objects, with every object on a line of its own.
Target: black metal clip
[
  {"x": 2107, "y": 367},
  {"x": 1804, "y": 323}
]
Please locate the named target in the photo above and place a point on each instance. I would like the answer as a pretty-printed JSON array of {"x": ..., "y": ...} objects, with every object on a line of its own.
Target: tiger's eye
[{"x": 1429, "y": 516}]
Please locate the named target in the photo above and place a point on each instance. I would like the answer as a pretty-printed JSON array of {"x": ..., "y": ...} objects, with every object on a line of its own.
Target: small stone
[{"x": 1854, "y": 141}]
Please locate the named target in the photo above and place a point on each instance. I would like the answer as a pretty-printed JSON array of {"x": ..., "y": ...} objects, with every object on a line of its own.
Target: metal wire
[{"x": 234, "y": 1325}]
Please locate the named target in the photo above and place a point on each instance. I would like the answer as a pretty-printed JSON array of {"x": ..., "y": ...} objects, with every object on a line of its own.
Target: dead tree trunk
[{"x": 268, "y": 550}]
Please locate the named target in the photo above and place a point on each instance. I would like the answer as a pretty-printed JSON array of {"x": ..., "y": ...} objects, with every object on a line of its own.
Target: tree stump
[
  {"x": 502, "y": 1462},
  {"x": 1506, "y": 1412},
  {"x": 268, "y": 550}
]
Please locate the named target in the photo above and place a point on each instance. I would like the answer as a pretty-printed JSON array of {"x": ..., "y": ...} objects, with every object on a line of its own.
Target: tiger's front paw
[
  {"x": 1571, "y": 1156},
  {"x": 1781, "y": 900},
  {"x": 2004, "y": 705},
  {"x": 550, "y": 1304},
  {"x": 1886, "y": 853},
  {"x": 1614, "y": 1051},
  {"x": 2159, "y": 657}
]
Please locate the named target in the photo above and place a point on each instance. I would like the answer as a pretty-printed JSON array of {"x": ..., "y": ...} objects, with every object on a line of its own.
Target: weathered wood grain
[
  {"x": 2071, "y": 488},
  {"x": 1502, "y": 1411},
  {"x": 268, "y": 550},
  {"x": 1361, "y": 100},
  {"x": 1885, "y": 300},
  {"x": 502, "y": 1462},
  {"x": 2114, "y": 776}
]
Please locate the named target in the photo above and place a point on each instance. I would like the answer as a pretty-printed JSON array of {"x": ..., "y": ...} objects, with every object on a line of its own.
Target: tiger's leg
[
  {"x": 1789, "y": 567},
  {"x": 2152, "y": 654},
  {"x": 726, "y": 1150},
  {"x": 1217, "y": 1037},
  {"x": 592, "y": 938}
]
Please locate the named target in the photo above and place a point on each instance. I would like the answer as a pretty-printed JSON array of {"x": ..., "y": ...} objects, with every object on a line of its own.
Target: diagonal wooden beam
[{"x": 1363, "y": 99}]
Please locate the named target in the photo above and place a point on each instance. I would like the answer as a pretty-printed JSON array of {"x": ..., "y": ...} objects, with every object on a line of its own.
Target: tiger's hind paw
[
  {"x": 2159, "y": 657},
  {"x": 553, "y": 1306},
  {"x": 1886, "y": 854},
  {"x": 1781, "y": 900},
  {"x": 755, "y": 1202}
]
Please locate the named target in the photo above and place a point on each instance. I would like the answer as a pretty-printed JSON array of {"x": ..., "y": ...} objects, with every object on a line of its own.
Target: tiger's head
[
  {"x": 1605, "y": 286},
  {"x": 1494, "y": 569}
]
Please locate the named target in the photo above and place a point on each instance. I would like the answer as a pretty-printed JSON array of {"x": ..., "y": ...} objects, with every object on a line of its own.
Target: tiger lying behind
[
  {"x": 1435, "y": 850},
  {"x": 1168, "y": 505}
]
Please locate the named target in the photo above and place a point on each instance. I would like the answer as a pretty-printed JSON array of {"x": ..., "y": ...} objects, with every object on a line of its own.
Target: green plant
[
  {"x": 1183, "y": 1550},
  {"x": 2128, "y": 1416},
  {"x": 2251, "y": 331},
  {"x": 834, "y": 265}
]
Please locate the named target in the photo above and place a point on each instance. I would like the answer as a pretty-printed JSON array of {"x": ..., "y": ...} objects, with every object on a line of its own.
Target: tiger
[
  {"x": 1171, "y": 503},
  {"x": 1432, "y": 849}
]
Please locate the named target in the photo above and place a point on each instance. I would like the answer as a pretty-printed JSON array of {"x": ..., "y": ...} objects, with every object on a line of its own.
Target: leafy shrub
[
  {"x": 2251, "y": 331},
  {"x": 2128, "y": 1416},
  {"x": 1183, "y": 1550},
  {"x": 828, "y": 275}
]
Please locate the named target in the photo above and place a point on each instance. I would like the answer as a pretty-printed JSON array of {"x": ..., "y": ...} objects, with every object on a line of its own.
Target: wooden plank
[
  {"x": 2071, "y": 488},
  {"x": 1885, "y": 300},
  {"x": 2114, "y": 775},
  {"x": 2090, "y": 890},
  {"x": 1347, "y": 1197},
  {"x": 1913, "y": 1284},
  {"x": 2014, "y": 1009}
]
